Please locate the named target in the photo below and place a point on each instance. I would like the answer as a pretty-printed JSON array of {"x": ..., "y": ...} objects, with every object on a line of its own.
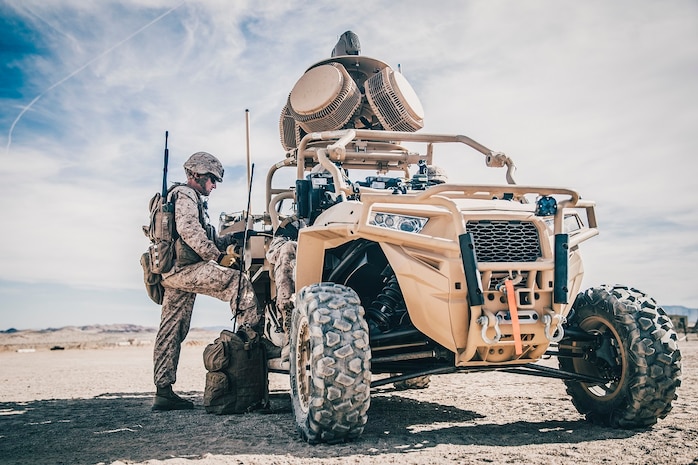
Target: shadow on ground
[{"x": 120, "y": 426}]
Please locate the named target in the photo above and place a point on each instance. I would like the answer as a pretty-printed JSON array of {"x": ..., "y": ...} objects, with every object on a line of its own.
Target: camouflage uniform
[
  {"x": 282, "y": 255},
  {"x": 196, "y": 273}
]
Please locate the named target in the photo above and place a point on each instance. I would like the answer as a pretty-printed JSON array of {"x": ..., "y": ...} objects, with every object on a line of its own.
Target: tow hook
[
  {"x": 508, "y": 291},
  {"x": 558, "y": 332},
  {"x": 485, "y": 321}
]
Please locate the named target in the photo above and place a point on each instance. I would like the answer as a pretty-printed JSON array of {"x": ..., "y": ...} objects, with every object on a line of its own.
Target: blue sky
[{"x": 597, "y": 96}]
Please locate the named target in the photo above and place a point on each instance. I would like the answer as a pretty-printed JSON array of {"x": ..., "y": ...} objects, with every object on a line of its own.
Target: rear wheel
[
  {"x": 330, "y": 364},
  {"x": 633, "y": 347}
]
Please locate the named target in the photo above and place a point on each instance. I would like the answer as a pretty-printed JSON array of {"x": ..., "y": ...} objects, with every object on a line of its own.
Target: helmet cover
[
  {"x": 436, "y": 175},
  {"x": 205, "y": 163}
]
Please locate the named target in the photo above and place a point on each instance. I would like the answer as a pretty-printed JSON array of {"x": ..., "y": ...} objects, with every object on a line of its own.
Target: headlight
[
  {"x": 571, "y": 223},
  {"x": 403, "y": 223}
]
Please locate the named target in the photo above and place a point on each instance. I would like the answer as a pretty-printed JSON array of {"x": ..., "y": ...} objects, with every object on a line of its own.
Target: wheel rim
[
  {"x": 611, "y": 366},
  {"x": 302, "y": 362}
]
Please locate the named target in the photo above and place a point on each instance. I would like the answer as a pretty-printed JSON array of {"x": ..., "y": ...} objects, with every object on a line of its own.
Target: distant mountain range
[
  {"x": 691, "y": 313},
  {"x": 102, "y": 329},
  {"x": 90, "y": 337},
  {"x": 112, "y": 328}
]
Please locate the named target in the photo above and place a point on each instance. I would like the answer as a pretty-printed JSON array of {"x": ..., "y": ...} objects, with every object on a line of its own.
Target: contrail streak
[{"x": 53, "y": 86}]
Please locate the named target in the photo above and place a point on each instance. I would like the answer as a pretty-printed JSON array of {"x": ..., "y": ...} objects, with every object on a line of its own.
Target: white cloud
[{"x": 597, "y": 96}]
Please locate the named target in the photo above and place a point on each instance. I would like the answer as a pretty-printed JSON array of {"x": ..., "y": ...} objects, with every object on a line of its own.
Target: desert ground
[{"x": 88, "y": 401}]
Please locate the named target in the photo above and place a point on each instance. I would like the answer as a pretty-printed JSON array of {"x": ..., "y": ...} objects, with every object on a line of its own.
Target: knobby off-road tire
[
  {"x": 637, "y": 348},
  {"x": 330, "y": 364}
]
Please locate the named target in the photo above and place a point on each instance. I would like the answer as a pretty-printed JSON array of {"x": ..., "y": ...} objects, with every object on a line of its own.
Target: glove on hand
[{"x": 230, "y": 257}]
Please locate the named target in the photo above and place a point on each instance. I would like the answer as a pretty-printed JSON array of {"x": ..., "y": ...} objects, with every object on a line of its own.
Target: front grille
[{"x": 505, "y": 241}]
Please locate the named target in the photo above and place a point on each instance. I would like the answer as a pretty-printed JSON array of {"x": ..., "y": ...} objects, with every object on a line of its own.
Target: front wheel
[
  {"x": 632, "y": 346},
  {"x": 330, "y": 364}
]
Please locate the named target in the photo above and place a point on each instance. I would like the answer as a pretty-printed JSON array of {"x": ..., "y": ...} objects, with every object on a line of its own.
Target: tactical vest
[
  {"x": 166, "y": 247},
  {"x": 185, "y": 255}
]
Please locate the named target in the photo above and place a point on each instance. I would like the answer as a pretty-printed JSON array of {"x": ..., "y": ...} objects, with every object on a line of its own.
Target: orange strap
[{"x": 513, "y": 311}]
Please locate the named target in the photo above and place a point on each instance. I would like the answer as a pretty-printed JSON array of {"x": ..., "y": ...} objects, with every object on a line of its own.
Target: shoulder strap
[
  {"x": 172, "y": 194},
  {"x": 203, "y": 213}
]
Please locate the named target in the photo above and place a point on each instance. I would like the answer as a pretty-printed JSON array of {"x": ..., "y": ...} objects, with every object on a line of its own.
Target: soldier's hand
[{"x": 230, "y": 257}]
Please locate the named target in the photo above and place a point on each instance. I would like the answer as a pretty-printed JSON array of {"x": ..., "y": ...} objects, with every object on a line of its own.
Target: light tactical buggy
[{"x": 397, "y": 275}]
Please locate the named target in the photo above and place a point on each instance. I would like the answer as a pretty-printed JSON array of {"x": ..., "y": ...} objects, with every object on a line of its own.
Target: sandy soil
[{"x": 90, "y": 406}]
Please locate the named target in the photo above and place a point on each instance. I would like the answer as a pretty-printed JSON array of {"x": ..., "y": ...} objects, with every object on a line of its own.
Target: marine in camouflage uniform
[
  {"x": 281, "y": 254},
  {"x": 199, "y": 253}
]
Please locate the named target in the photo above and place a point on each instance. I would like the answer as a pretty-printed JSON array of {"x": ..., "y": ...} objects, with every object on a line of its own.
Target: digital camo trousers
[
  {"x": 282, "y": 255},
  {"x": 181, "y": 288}
]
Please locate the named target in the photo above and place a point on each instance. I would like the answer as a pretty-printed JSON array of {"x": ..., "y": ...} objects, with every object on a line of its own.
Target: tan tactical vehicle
[{"x": 401, "y": 274}]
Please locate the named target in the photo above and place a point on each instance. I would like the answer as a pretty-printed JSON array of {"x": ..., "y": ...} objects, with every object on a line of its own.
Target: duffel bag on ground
[{"x": 237, "y": 378}]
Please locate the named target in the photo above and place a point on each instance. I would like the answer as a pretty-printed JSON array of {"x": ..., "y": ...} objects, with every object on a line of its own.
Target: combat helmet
[
  {"x": 204, "y": 163},
  {"x": 436, "y": 175}
]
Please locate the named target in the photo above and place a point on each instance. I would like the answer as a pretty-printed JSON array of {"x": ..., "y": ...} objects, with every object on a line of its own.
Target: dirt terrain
[{"x": 92, "y": 406}]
